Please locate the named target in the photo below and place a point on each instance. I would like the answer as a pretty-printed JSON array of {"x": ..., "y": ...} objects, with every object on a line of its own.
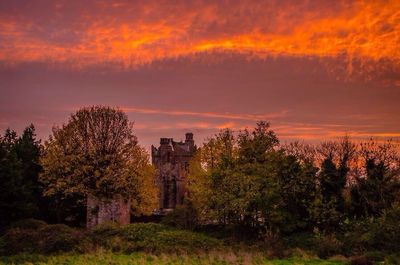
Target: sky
[{"x": 317, "y": 70}]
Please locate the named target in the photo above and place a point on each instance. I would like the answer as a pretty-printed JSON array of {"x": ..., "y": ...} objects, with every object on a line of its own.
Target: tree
[
  {"x": 327, "y": 210},
  {"x": 97, "y": 154},
  {"x": 379, "y": 185},
  {"x": 28, "y": 150},
  {"x": 254, "y": 146},
  {"x": 297, "y": 189},
  {"x": 303, "y": 152},
  {"x": 336, "y": 157},
  {"x": 20, "y": 190},
  {"x": 217, "y": 158}
]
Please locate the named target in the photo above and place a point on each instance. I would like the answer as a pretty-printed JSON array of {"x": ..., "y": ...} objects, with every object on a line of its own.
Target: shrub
[
  {"x": 150, "y": 237},
  {"x": 176, "y": 240},
  {"x": 110, "y": 236},
  {"x": 147, "y": 237},
  {"x": 29, "y": 224},
  {"x": 375, "y": 256},
  {"x": 303, "y": 240},
  {"x": 20, "y": 240},
  {"x": 360, "y": 260},
  {"x": 61, "y": 238},
  {"x": 143, "y": 231},
  {"x": 384, "y": 234},
  {"x": 185, "y": 217},
  {"x": 375, "y": 234},
  {"x": 357, "y": 236},
  {"x": 272, "y": 240},
  {"x": 393, "y": 259},
  {"x": 160, "y": 238},
  {"x": 327, "y": 246},
  {"x": 46, "y": 239},
  {"x": 105, "y": 231}
]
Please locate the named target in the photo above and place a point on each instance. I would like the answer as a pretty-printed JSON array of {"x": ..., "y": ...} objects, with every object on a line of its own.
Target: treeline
[
  {"x": 246, "y": 180},
  {"x": 21, "y": 192},
  {"x": 250, "y": 180},
  {"x": 95, "y": 153}
]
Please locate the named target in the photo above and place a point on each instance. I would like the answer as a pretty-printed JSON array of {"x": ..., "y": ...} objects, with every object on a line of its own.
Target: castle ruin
[
  {"x": 171, "y": 160},
  {"x": 99, "y": 211}
]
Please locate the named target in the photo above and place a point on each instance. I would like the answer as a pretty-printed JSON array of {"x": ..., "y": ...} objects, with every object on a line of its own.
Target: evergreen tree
[
  {"x": 28, "y": 150},
  {"x": 19, "y": 191}
]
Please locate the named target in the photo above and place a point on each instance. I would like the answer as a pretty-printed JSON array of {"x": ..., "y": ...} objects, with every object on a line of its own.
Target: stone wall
[{"x": 107, "y": 210}]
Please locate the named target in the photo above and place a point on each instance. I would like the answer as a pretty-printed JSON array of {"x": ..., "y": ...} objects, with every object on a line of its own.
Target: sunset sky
[{"x": 316, "y": 70}]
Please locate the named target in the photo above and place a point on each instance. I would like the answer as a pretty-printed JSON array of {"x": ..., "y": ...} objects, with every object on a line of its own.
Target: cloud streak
[
  {"x": 249, "y": 117},
  {"x": 135, "y": 33}
]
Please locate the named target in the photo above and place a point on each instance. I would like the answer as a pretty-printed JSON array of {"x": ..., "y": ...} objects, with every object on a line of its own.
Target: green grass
[{"x": 139, "y": 258}]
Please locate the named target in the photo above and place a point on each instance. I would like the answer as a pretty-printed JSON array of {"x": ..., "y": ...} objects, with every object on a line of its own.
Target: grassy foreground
[{"x": 107, "y": 258}]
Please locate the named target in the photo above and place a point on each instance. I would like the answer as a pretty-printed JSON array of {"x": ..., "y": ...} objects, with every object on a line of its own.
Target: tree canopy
[
  {"x": 97, "y": 153},
  {"x": 248, "y": 179}
]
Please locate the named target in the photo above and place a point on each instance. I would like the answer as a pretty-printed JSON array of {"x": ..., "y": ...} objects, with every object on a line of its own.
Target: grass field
[{"x": 217, "y": 258}]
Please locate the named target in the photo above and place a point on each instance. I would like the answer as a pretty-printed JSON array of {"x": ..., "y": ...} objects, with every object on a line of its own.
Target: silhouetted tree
[
  {"x": 379, "y": 187},
  {"x": 19, "y": 190}
]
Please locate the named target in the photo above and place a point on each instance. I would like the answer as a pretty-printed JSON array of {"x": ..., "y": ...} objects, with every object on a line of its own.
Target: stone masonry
[
  {"x": 113, "y": 210},
  {"x": 171, "y": 160}
]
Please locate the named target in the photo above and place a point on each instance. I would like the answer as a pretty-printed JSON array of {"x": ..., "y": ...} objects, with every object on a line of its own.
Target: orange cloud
[
  {"x": 250, "y": 117},
  {"x": 213, "y": 121},
  {"x": 133, "y": 35}
]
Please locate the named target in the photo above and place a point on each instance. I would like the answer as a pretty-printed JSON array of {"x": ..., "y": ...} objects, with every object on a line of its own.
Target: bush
[
  {"x": 61, "y": 238},
  {"x": 357, "y": 236},
  {"x": 272, "y": 241},
  {"x": 393, "y": 259},
  {"x": 384, "y": 234},
  {"x": 46, "y": 239},
  {"x": 360, "y": 260},
  {"x": 143, "y": 231},
  {"x": 150, "y": 237},
  {"x": 160, "y": 238},
  {"x": 20, "y": 240},
  {"x": 110, "y": 236},
  {"x": 303, "y": 240},
  {"x": 105, "y": 231},
  {"x": 184, "y": 217},
  {"x": 29, "y": 224},
  {"x": 375, "y": 234},
  {"x": 327, "y": 246},
  {"x": 184, "y": 240},
  {"x": 375, "y": 256}
]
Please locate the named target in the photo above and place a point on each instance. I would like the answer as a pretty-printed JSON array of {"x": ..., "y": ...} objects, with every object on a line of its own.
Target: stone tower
[{"x": 171, "y": 161}]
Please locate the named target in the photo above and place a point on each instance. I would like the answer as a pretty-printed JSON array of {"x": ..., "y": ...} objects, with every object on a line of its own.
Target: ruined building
[
  {"x": 99, "y": 211},
  {"x": 171, "y": 161}
]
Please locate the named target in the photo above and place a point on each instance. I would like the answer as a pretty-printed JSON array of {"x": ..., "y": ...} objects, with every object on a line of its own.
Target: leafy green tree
[
  {"x": 96, "y": 153},
  {"x": 220, "y": 167},
  {"x": 254, "y": 146},
  {"x": 297, "y": 189},
  {"x": 246, "y": 181}
]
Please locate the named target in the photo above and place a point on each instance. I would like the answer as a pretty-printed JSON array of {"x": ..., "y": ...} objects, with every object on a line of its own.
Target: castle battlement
[{"x": 171, "y": 160}]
